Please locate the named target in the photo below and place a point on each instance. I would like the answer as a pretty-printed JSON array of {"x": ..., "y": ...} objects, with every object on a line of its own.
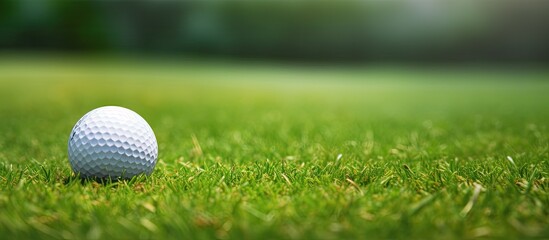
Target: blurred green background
[{"x": 328, "y": 31}]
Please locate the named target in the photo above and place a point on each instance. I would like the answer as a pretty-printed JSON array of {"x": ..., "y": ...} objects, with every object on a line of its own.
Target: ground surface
[{"x": 250, "y": 151}]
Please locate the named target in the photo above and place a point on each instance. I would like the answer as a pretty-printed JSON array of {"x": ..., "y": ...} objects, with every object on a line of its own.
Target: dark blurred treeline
[{"x": 425, "y": 30}]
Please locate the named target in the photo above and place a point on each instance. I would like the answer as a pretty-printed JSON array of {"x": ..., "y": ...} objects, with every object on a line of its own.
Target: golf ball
[{"x": 112, "y": 142}]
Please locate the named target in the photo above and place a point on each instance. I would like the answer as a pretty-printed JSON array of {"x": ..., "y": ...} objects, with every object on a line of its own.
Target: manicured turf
[{"x": 259, "y": 151}]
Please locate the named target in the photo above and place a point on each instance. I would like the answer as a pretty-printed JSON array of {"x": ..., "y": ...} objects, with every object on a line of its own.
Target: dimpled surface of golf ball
[{"x": 112, "y": 142}]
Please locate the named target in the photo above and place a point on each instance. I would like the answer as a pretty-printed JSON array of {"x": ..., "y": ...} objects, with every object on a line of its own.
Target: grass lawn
[{"x": 259, "y": 151}]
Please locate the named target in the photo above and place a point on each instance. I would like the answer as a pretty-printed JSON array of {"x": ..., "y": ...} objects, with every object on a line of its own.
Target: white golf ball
[{"x": 112, "y": 142}]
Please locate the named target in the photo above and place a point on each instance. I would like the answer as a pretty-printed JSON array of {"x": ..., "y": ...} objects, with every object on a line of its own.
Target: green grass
[{"x": 253, "y": 151}]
